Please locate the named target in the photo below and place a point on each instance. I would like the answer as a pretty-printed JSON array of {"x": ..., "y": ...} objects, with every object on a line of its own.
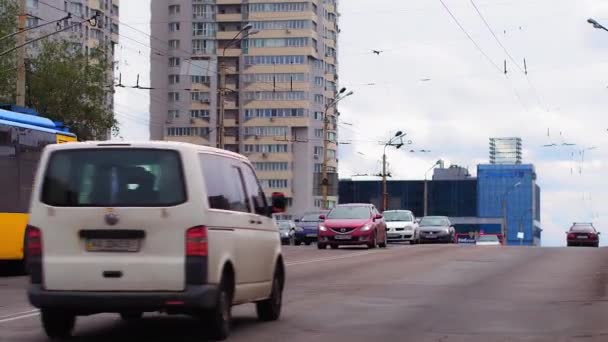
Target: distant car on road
[
  {"x": 583, "y": 234},
  {"x": 307, "y": 227},
  {"x": 352, "y": 224},
  {"x": 287, "y": 230},
  {"x": 488, "y": 240},
  {"x": 401, "y": 225},
  {"x": 436, "y": 229}
]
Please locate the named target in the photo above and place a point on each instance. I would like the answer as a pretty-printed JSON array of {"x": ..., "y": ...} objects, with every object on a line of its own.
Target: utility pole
[
  {"x": 426, "y": 197},
  {"x": 397, "y": 142},
  {"x": 384, "y": 185},
  {"x": 220, "y": 119},
  {"x": 21, "y": 39},
  {"x": 504, "y": 220}
]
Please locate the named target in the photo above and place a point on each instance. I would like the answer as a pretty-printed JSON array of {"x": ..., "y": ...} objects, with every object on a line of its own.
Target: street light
[
  {"x": 504, "y": 211},
  {"x": 222, "y": 86},
  {"x": 426, "y": 190},
  {"x": 324, "y": 180},
  {"x": 596, "y": 24},
  {"x": 397, "y": 142}
]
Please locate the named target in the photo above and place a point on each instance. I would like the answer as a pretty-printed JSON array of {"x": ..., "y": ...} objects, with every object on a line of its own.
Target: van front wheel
[{"x": 57, "y": 325}]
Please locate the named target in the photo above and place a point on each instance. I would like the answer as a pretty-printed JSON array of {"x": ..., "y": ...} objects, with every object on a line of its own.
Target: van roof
[{"x": 157, "y": 144}]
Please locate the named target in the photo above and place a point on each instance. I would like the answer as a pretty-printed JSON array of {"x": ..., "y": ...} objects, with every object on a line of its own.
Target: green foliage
[
  {"x": 64, "y": 84},
  {"x": 8, "y": 63},
  {"x": 68, "y": 86}
]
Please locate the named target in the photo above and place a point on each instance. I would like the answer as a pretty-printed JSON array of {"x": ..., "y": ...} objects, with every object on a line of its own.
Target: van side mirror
[
  {"x": 322, "y": 217},
  {"x": 279, "y": 203}
]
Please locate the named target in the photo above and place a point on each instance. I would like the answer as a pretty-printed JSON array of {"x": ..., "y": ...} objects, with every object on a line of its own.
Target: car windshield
[
  {"x": 283, "y": 226},
  {"x": 311, "y": 217},
  {"x": 114, "y": 178},
  {"x": 350, "y": 212},
  {"x": 488, "y": 238},
  {"x": 394, "y": 216},
  {"x": 434, "y": 221},
  {"x": 582, "y": 228}
]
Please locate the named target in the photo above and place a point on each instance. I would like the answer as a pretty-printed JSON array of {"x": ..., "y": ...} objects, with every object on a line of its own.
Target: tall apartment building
[
  {"x": 83, "y": 36},
  {"x": 505, "y": 150},
  {"x": 280, "y": 65}
]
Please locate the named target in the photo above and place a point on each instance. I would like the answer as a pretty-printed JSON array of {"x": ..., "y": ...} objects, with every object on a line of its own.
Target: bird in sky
[{"x": 377, "y": 52}]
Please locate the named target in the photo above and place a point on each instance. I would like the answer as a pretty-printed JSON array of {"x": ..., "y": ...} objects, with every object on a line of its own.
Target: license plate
[
  {"x": 394, "y": 236},
  {"x": 581, "y": 237},
  {"x": 430, "y": 237},
  {"x": 343, "y": 237},
  {"x": 311, "y": 235},
  {"x": 113, "y": 245}
]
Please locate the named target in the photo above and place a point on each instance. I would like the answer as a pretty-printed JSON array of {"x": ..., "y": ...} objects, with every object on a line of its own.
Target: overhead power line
[{"x": 69, "y": 16}]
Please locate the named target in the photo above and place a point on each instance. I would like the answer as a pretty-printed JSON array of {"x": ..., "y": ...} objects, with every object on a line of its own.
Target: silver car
[
  {"x": 436, "y": 229},
  {"x": 401, "y": 225}
]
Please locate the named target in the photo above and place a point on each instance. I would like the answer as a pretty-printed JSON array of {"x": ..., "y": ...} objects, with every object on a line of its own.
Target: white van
[{"x": 142, "y": 227}]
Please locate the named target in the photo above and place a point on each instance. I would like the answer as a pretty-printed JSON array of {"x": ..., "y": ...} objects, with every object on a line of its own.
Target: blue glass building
[{"x": 513, "y": 186}]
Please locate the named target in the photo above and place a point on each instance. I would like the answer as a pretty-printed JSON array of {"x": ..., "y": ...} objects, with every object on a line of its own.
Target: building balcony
[
  {"x": 227, "y": 2},
  {"x": 229, "y": 17}
]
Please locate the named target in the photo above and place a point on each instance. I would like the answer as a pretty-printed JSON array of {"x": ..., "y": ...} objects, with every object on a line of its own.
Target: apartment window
[
  {"x": 275, "y": 112},
  {"x": 332, "y": 136},
  {"x": 318, "y": 116},
  {"x": 203, "y": 46},
  {"x": 274, "y": 183},
  {"x": 173, "y": 79},
  {"x": 200, "y": 96},
  {"x": 319, "y": 81},
  {"x": 266, "y": 131},
  {"x": 173, "y": 96},
  {"x": 199, "y": 113},
  {"x": 174, "y": 9},
  {"x": 203, "y": 11},
  {"x": 174, "y": 61},
  {"x": 200, "y": 79},
  {"x": 275, "y": 95},
  {"x": 271, "y": 166},
  {"x": 272, "y": 60},
  {"x": 319, "y": 98},
  {"x": 267, "y": 148},
  {"x": 278, "y": 42},
  {"x": 279, "y": 7},
  {"x": 318, "y": 133},
  {"x": 318, "y": 150},
  {"x": 276, "y": 78},
  {"x": 174, "y": 44},
  {"x": 331, "y": 154},
  {"x": 318, "y": 168},
  {"x": 319, "y": 203},
  {"x": 203, "y": 29},
  {"x": 282, "y": 25},
  {"x": 32, "y": 22},
  {"x": 32, "y": 3},
  {"x": 173, "y": 114},
  {"x": 187, "y": 131},
  {"x": 174, "y": 27}
]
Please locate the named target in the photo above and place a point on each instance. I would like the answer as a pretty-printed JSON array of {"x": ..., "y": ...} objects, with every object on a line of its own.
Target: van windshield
[{"x": 114, "y": 178}]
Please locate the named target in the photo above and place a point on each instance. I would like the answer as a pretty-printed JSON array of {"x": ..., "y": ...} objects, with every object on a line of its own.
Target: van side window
[
  {"x": 223, "y": 182},
  {"x": 256, "y": 193}
]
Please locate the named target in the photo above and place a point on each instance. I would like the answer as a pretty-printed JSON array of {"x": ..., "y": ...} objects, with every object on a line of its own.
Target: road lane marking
[
  {"x": 303, "y": 262},
  {"x": 19, "y": 313},
  {"x": 19, "y": 317}
]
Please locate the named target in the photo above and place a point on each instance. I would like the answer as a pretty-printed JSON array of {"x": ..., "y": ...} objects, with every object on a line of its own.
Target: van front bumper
[{"x": 89, "y": 302}]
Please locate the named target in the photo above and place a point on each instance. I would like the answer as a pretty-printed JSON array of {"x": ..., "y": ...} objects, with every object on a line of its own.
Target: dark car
[
  {"x": 307, "y": 227},
  {"x": 436, "y": 229},
  {"x": 286, "y": 232},
  {"x": 583, "y": 234},
  {"x": 353, "y": 224}
]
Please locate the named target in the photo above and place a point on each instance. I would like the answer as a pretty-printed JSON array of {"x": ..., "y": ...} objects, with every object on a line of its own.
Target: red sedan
[{"x": 583, "y": 234}]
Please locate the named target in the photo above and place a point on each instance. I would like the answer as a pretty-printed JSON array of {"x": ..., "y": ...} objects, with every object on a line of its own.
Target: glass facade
[{"x": 515, "y": 185}]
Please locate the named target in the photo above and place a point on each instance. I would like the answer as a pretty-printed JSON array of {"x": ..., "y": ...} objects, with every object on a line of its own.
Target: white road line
[
  {"x": 19, "y": 313},
  {"x": 19, "y": 317}
]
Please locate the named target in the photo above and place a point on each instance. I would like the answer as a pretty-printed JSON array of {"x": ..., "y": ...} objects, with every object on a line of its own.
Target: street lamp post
[
  {"x": 222, "y": 86},
  {"x": 426, "y": 190},
  {"x": 324, "y": 180},
  {"x": 521, "y": 219},
  {"x": 504, "y": 211},
  {"x": 397, "y": 142},
  {"x": 596, "y": 24}
]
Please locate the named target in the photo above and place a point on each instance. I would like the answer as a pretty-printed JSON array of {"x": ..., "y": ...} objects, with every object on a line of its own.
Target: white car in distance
[{"x": 401, "y": 225}]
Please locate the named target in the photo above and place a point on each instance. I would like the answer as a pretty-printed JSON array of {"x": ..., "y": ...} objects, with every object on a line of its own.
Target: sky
[{"x": 445, "y": 86}]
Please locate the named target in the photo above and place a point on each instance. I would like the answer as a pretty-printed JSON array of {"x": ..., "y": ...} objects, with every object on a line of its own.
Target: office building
[
  {"x": 278, "y": 64},
  {"x": 505, "y": 151},
  {"x": 103, "y": 35},
  {"x": 473, "y": 204}
]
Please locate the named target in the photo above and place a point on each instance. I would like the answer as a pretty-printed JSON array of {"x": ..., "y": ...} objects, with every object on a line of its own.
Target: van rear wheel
[
  {"x": 270, "y": 309},
  {"x": 219, "y": 318},
  {"x": 57, "y": 324}
]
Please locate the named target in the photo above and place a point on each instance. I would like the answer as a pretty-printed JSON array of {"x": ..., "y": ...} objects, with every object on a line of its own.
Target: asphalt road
[{"x": 405, "y": 293}]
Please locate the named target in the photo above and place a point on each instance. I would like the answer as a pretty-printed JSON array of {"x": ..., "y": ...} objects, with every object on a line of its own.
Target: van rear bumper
[{"x": 192, "y": 299}]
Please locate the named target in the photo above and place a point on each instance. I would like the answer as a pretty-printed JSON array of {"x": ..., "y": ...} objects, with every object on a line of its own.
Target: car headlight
[
  {"x": 366, "y": 227},
  {"x": 447, "y": 231},
  {"x": 322, "y": 228},
  {"x": 299, "y": 229},
  {"x": 408, "y": 228}
]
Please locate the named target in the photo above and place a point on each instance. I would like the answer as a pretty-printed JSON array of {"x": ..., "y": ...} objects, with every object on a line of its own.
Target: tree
[
  {"x": 8, "y": 63},
  {"x": 69, "y": 86},
  {"x": 63, "y": 82}
]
